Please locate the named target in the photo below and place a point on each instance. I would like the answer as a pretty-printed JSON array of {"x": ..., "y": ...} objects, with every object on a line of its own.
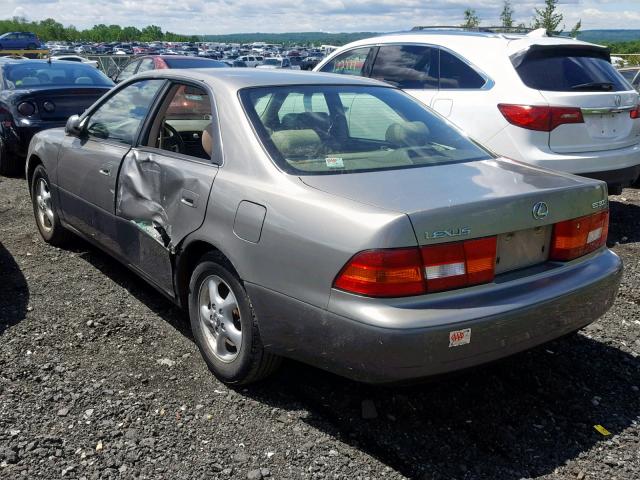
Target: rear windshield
[
  {"x": 569, "y": 70},
  {"x": 56, "y": 74},
  {"x": 192, "y": 63},
  {"x": 315, "y": 130}
]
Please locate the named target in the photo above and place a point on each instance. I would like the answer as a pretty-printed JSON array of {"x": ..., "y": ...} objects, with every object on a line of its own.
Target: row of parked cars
[{"x": 344, "y": 219}]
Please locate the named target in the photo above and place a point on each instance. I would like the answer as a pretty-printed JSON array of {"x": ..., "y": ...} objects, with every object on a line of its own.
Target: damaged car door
[
  {"x": 164, "y": 182},
  {"x": 88, "y": 162}
]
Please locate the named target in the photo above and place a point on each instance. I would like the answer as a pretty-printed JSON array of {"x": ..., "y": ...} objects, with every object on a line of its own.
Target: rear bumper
[
  {"x": 17, "y": 138},
  {"x": 620, "y": 165},
  {"x": 387, "y": 341}
]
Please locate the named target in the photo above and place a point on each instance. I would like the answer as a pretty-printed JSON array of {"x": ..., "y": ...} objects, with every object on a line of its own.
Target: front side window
[
  {"x": 185, "y": 123},
  {"x": 349, "y": 63},
  {"x": 407, "y": 66},
  {"x": 120, "y": 117},
  {"x": 319, "y": 130},
  {"x": 456, "y": 74}
]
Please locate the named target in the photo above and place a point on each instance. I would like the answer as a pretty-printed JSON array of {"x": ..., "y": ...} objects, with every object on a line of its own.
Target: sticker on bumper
[{"x": 459, "y": 337}]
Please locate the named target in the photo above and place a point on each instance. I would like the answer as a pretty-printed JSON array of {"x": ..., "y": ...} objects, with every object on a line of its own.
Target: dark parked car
[
  {"x": 38, "y": 94},
  {"x": 631, "y": 75},
  {"x": 19, "y": 41},
  {"x": 159, "y": 62}
]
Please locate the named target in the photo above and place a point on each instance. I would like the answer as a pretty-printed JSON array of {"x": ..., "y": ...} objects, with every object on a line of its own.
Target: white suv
[{"x": 554, "y": 102}]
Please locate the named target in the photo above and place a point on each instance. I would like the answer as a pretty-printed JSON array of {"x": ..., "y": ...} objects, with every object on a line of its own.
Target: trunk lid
[
  {"x": 469, "y": 200},
  {"x": 607, "y": 121},
  {"x": 67, "y": 101}
]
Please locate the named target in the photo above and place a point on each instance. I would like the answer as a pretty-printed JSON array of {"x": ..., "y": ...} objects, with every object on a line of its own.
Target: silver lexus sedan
[{"x": 327, "y": 219}]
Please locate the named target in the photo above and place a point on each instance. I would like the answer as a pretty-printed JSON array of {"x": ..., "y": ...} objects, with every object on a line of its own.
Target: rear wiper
[{"x": 585, "y": 86}]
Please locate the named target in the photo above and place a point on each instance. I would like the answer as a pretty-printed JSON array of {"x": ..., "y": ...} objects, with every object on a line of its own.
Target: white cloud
[{"x": 228, "y": 16}]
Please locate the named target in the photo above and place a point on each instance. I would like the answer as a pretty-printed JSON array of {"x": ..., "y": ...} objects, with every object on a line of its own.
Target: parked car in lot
[
  {"x": 251, "y": 60},
  {"x": 19, "y": 41},
  {"x": 549, "y": 101},
  {"x": 631, "y": 75},
  {"x": 38, "y": 94},
  {"x": 348, "y": 226},
  {"x": 75, "y": 58},
  {"x": 158, "y": 62},
  {"x": 275, "y": 63}
]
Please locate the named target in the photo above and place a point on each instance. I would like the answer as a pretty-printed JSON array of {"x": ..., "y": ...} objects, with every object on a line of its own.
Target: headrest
[
  {"x": 407, "y": 134},
  {"x": 207, "y": 141},
  {"x": 84, "y": 81},
  {"x": 30, "y": 81},
  {"x": 296, "y": 143}
]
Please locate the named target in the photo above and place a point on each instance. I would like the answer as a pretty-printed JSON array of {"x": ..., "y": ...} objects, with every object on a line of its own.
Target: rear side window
[
  {"x": 407, "y": 66},
  {"x": 569, "y": 70},
  {"x": 456, "y": 74},
  {"x": 349, "y": 63},
  {"x": 192, "y": 63}
]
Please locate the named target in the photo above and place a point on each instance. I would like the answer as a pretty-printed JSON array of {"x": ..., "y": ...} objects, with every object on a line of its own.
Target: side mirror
[{"x": 73, "y": 126}]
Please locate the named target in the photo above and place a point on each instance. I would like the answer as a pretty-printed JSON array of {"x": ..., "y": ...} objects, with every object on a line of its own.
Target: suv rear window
[{"x": 568, "y": 70}]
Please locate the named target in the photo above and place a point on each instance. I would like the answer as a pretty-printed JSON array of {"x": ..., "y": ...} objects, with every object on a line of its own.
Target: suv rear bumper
[
  {"x": 618, "y": 167},
  {"x": 382, "y": 341}
]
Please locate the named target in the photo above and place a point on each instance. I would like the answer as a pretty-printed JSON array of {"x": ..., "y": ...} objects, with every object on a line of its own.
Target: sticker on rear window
[
  {"x": 334, "y": 162},
  {"x": 459, "y": 337}
]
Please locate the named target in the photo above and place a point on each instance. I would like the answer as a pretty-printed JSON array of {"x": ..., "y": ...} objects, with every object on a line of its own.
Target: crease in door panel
[{"x": 143, "y": 193}]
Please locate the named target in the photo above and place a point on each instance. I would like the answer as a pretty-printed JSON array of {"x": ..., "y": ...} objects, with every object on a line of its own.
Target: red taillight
[
  {"x": 460, "y": 264},
  {"x": 413, "y": 271},
  {"x": 383, "y": 273},
  {"x": 635, "y": 113},
  {"x": 575, "y": 238},
  {"x": 540, "y": 118}
]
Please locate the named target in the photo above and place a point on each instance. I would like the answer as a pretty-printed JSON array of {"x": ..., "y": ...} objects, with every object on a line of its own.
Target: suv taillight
[
  {"x": 540, "y": 118},
  {"x": 404, "y": 272},
  {"x": 575, "y": 238},
  {"x": 635, "y": 113}
]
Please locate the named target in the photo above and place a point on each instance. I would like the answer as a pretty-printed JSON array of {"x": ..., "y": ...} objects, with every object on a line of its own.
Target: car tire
[
  {"x": 45, "y": 210},
  {"x": 10, "y": 165},
  {"x": 224, "y": 324}
]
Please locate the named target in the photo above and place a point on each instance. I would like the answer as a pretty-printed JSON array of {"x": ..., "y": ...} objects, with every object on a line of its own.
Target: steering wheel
[{"x": 172, "y": 140}]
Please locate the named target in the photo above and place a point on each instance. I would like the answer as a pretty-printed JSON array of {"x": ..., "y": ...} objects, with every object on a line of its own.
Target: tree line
[
  {"x": 548, "y": 18},
  {"x": 50, "y": 29}
]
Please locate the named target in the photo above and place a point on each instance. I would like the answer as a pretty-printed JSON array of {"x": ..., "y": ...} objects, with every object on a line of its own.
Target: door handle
[
  {"x": 105, "y": 171},
  {"x": 189, "y": 198}
]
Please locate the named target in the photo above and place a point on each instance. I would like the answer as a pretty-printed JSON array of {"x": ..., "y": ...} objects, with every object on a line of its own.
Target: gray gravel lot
[{"x": 100, "y": 378}]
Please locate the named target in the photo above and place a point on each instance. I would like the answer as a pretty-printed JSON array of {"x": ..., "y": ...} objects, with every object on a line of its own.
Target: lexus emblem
[
  {"x": 540, "y": 210},
  {"x": 618, "y": 100}
]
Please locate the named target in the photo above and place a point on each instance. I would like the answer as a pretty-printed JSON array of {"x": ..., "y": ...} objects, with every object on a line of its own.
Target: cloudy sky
[{"x": 231, "y": 16}]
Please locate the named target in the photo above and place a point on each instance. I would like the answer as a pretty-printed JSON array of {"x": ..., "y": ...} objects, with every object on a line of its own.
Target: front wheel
[
  {"x": 224, "y": 325},
  {"x": 45, "y": 211}
]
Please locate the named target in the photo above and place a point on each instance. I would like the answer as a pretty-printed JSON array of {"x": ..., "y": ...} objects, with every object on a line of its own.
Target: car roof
[
  {"x": 461, "y": 41},
  {"x": 232, "y": 79}
]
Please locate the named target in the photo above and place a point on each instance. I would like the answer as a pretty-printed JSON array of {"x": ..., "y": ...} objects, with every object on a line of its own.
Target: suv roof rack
[{"x": 490, "y": 29}]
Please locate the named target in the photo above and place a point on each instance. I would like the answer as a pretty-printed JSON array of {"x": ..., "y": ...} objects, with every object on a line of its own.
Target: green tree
[
  {"x": 548, "y": 18},
  {"x": 471, "y": 19},
  {"x": 506, "y": 16},
  {"x": 576, "y": 30}
]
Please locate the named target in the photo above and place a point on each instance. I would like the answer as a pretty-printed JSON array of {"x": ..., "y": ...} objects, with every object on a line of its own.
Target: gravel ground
[{"x": 100, "y": 378}]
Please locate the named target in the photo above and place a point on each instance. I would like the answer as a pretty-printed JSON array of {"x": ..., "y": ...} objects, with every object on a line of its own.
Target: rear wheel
[
  {"x": 10, "y": 165},
  {"x": 45, "y": 211},
  {"x": 224, "y": 325}
]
